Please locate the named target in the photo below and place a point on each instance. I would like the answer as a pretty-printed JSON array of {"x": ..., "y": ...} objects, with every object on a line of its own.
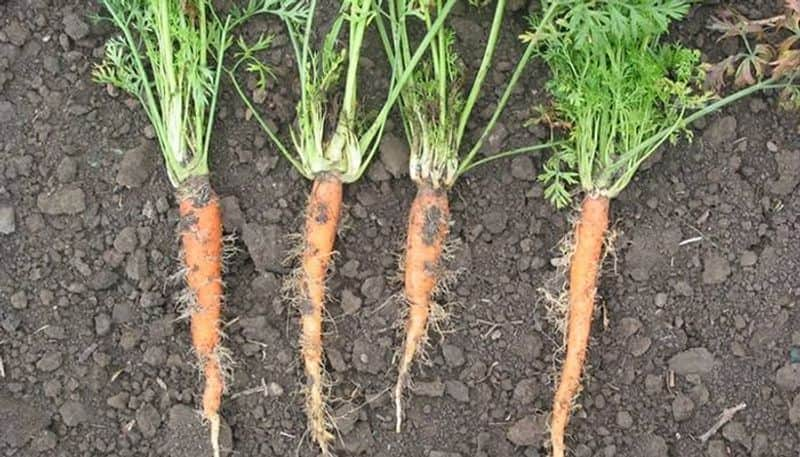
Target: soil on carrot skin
[{"x": 699, "y": 308}]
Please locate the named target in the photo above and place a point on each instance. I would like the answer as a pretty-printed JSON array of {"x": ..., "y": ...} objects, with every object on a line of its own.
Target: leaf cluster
[
  {"x": 622, "y": 92},
  {"x": 436, "y": 103},
  {"x": 431, "y": 105},
  {"x": 168, "y": 55},
  {"x": 332, "y": 134},
  {"x": 162, "y": 58},
  {"x": 601, "y": 22}
]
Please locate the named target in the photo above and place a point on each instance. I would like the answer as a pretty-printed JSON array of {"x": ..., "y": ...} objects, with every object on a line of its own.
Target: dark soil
[{"x": 699, "y": 308}]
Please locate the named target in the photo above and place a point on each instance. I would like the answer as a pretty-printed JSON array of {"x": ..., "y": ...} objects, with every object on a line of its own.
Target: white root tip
[
  {"x": 398, "y": 405},
  {"x": 214, "y": 424}
]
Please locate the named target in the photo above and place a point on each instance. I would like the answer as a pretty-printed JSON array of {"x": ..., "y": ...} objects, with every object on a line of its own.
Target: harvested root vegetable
[
  {"x": 623, "y": 93},
  {"x": 590, "y": 235},
  {"x": 169, "y": 56},
  {"x": 428, "y": 225},
  {"x": 435, "y": 112},
  {"x": 322, "y": 222},
  {"x": 201, "y": 239}
]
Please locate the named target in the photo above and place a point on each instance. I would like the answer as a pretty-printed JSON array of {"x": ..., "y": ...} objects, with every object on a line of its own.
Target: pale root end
[
  {"x": 413, "y": 346},
  {"x": 559, "y": 450},
  {"x": 398, "y": 402},
  {"x": 402, "y": 381},
  {"x": 317, "y": 415},
  {"x": 214, "y": 423}
]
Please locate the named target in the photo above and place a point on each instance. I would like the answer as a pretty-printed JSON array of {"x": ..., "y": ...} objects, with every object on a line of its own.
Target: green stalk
[
  {"x": 441, "y": 70},
  {"x": 358, "y": 24},
  {"x": 302, "y": 60},
  {"x": 202, "y": 165},
  {"x": 483, "y": 70},
  {"x": 652, "y": 143},
  {"x": 376, "y": 129},
  {"x": 272, "y": 135},
  {"x": 163, "y": 59},
  {"x": 533, "y": 43},
  {"x": 199, "y": 137},
  {"x": 513, "y": 152}
]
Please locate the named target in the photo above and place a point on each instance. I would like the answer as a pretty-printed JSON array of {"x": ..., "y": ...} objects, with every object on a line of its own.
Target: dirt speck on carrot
[
  {"x": 322, "y": 214},
  {"x": 430, "y": 230}
]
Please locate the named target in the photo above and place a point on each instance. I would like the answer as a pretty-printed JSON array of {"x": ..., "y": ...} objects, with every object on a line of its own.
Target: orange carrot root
[
  {"x": 590, "y": 232},
  {"x": 428, "y": 226},
  {"x": 201, "y": 237},
  {"x": 322, "y": 221}
]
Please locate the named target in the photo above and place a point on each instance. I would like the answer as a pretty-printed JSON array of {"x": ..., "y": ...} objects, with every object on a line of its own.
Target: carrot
[
  {"x": 590, "y": 230},
  {"x": 428, "y": 226},
  {"x": 168, "y": 55},
  {"x": 637, "y": 93},
  {"x": 201, "y": 237},
  {"x": 436, "y": 110},
  {"x": 322, "y": 221}
]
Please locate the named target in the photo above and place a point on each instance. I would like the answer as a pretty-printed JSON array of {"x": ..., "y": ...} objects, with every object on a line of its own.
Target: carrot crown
[
  {"x": 169, "y": 56},
  {"x": 434, "y": 105},
  {"x": 326, "y": 140}
]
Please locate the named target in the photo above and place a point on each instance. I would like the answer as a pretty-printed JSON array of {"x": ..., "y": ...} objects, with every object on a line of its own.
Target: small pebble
[
  {"x": 624, "y": 420},
  {"x": 682, "y": 407},
  {"x": 274, "y": 389},
  {"x": 19, "y": 300},
  {"x": 453, "y": 355},
  {"x": 7, "y": 219}
]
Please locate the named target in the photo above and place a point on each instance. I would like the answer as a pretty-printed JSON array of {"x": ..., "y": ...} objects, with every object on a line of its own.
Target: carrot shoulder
[
  {"x": 428, "y": 226},
  {"x": 321, "y": 224},
  {"x": 201, "y": 238},
  {"x": 590, "y": 230}
]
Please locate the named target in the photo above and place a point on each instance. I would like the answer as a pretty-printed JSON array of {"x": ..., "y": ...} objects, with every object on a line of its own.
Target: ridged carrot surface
[
  {"x": 590, "y": 232},
  {"x": 428, "y": 226},
  {"x": 321, "y": 224},
  {"x": 201, "y": 239}
]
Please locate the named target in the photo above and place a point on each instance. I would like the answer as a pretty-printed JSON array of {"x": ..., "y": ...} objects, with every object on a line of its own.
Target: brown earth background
[{"x": 699, "y": 308}]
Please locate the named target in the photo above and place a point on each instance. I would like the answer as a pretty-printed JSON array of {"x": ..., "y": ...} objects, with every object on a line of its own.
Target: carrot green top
[
  {"x": 169, "y": 56},
  {"x": 621, "y": 92},
  {"x": 434, "y": 105},
  {"x": 162, "y": 58}
]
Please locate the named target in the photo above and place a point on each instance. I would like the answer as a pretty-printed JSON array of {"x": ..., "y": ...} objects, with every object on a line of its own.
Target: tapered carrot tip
[
  {"x": 398, "y": 402},
  {"x": 590, "y": 231},
  {"x": 213, "y": 422}
]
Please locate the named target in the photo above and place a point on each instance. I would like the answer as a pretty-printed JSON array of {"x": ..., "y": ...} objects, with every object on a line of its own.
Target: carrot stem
[
  {"x": 590, "y": 230},
  {"x": 322, "y": 221},
  {"x": 428, "y": 226}
]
